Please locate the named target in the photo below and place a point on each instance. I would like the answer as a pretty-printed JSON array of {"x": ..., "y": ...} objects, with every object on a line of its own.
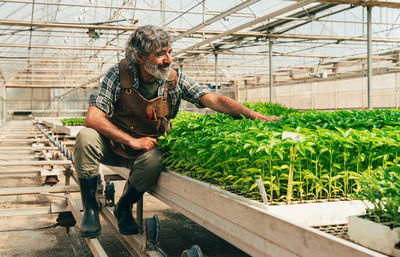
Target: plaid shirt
[{"x": 110, "y": 90}]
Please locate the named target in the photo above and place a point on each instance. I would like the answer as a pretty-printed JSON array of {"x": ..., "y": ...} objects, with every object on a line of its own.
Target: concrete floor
[{"x": 177, "y": 233}]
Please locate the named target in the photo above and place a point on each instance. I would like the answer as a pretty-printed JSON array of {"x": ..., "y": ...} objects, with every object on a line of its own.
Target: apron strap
[
  {"x": 124, "y": 75},
  {"x": 171, "y": 82},
  {"x": 172, "y": 79}
]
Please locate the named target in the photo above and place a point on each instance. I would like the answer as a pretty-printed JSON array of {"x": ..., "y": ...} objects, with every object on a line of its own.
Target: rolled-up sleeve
[
  {"x": 191, "y": 90},
  {"x": 106, "y": 94}
]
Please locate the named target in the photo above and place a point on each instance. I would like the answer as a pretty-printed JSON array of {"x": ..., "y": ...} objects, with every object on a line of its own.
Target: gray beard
[{"x": 155, "y": 71}]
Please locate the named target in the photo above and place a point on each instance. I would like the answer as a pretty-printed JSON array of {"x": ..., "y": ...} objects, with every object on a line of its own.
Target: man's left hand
[{"x": 270, "y": 118}]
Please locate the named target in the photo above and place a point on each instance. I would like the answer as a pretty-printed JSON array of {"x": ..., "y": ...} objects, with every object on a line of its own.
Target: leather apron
[{"x": 138, "y": 116}]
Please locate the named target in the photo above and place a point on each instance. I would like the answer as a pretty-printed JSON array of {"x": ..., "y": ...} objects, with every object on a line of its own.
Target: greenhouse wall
[
  {"x": 42, "y": 102},
  {"x": 75, "y": 104},
  {"x": 28, "y": 99},
  {"x": 3, "y": 110},
  {"x": 333, "y": 94}
]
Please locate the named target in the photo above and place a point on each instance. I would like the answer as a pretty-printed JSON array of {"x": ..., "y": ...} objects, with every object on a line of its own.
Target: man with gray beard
[{"x": 131, "y": 109}]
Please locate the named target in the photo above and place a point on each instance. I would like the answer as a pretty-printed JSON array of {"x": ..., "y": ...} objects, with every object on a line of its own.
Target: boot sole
[
  {"x": 128, "y": 232},
  {"x": 91, "y": 235}
]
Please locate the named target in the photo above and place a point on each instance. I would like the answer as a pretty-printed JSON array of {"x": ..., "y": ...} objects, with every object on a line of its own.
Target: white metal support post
[
  {"x": 4, "y": 100},
  {"x": 271, "y": 78},
  {"x": 312, "y": 97},
  {"x": 216, "y": 73},
  {"x": 162, "y": 7},
  {"x": 204, "y": 11},
  {"x": 2, "y": 111},
  {"x": 396, "y": 90},
  {"x": 369, "y": 56},
  {"x": 292, "y": 98}
]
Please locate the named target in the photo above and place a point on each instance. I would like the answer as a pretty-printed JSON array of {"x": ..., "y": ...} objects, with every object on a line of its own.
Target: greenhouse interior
[{"x": 225, "y": 128}]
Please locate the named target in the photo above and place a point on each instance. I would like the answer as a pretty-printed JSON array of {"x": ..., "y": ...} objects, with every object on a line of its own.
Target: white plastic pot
[{"x": 375, "y": 236}]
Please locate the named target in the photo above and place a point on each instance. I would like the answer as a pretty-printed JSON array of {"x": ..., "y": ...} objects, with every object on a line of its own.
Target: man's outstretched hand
[{"x": 269, "y": 118}]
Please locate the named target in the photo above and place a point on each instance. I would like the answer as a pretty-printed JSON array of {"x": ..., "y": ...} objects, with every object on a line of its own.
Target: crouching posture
[{"x": 131, "y": 109}]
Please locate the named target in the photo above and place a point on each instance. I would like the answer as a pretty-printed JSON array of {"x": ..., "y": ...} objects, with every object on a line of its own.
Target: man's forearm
[
  {"x": 96, "y": 119},
  {"x": 229, "y": 106}
]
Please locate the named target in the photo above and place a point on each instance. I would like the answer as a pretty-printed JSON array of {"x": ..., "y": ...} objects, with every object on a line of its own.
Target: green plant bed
[
  {"x": 356, "y": 119},
  {"x": 73, "y": 121},
  {"x": 323, "y": 164}
]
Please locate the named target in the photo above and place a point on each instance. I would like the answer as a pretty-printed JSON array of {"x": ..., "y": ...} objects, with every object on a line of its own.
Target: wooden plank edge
[
  {"x": 133, "y": 243},
  {"x": 37, "y": 190},
  {"x": 10, "y": 212},
  {"x": 35, "y": 163},
  {"x": 252, "y": 216},
  {"x": 244, "y": 239},
  {"x": 94, "y": 244}
]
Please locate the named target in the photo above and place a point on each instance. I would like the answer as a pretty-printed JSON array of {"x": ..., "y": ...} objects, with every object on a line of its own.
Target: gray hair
[{"x": 143, "y": 41}]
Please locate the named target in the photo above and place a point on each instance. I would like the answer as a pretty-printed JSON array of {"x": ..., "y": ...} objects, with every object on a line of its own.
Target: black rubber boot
[
  {"x": 123, "y": 211},
  {"x": 90, "y": 226}
]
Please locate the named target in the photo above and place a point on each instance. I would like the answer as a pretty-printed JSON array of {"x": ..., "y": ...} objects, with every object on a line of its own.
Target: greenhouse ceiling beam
[
  {"x": 246, "y": 25},
  {"x": 282, "y": 70},
  {"x": 323, "y": 56},
  {"x": 113, "y": 18},
  {"x": 333, "y": 38},
  {"x": 343, "y": 76},
  {"x": 387, "y": 4},
  {"x": 190, "y": 49},
  {"x": 85, "y": 84},
  {"x": 39, "y": 24},
  {"x": 261, "y": 54},
  {"x": 47, "y": 70},
  {"x": 307, "y": 14},
  {"x": 116, "y": 49},
  {"x": 300, "y": 18},
  {"x": 52, "y": 79},
  {"x": 63, "y": 61},
  {"x": 203, "y": 80},
  {"x": 68, "y": 82},
  {"x": 215, "y": 18},
  {"x": 199, "y": 79},
  {"x": 50, "y": 69},
  {"x": 63, "y": 25},
  {"x": 189, "y": 52},
  {"x": 63, "y": 47},
  {"x": 242, "y": 14},
  {"x": 42, "y": 60},
  {"x": 50, "y": 85}
]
